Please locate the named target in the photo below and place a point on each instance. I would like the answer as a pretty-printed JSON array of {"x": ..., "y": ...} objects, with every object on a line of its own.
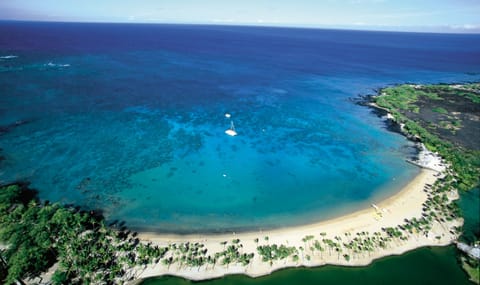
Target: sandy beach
[{"x": 391, "y": 212}]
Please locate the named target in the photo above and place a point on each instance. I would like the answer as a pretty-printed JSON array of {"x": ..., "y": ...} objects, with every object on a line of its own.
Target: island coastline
[
  {"x": 390, "y": 219},
  {"x": 391, "y": 212},
  {"x": 421, "y": 214}
]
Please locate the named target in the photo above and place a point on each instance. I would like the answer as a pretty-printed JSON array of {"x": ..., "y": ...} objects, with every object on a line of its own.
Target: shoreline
[
  {"x": 156, "y": 236},
  {"x": 391, "y": 212},
  {"x": 385, "y": 193}
]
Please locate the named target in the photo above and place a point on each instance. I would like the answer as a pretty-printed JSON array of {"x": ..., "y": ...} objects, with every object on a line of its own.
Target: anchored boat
[{"x": 231, "y": 131}]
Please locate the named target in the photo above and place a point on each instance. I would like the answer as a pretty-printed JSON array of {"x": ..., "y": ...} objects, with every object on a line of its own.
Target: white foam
[
  {"x": 51, "y": 64},
  {"x": 8, "y": 56},
  {"x": 430, "y": 160}
]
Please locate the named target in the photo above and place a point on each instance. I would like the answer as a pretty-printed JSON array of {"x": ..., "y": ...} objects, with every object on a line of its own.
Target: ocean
[{"x": 130, "y": 119}]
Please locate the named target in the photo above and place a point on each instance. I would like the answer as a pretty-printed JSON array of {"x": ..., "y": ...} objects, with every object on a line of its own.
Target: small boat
[{"x": 231, "y": 131}]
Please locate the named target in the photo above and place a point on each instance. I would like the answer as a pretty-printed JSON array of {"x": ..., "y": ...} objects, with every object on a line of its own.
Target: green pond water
[
  {"x": 431, "y": 265},
  {"x": 470, "y": 205},
  {"x": 422, "y": 266}
]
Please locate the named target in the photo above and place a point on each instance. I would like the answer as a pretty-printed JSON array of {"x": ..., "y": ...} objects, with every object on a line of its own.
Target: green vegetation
[
  {"x": 85, "y": 251},
  {"x": 440, "y": 110},
  {"x": 84, "y": 248},
  {"x": 427, "y": 265},
  {"x": 465, "y": 162},
  {"x": 472, "y": 267},
  {"x": 269, "y": 253},
  {"x": 437, "y": 209},
  {"x": 36, "y": 236},
  {"x": 233, "y": 254},
  {"x": 473, "y": 96},
  {"x": 399, "y": 98}
]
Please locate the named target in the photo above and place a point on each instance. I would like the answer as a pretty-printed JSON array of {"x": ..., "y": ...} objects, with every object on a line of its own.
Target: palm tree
[
  {"x": 318, "y": 247},
  {"x": 301, "y": 249},
  {"x": 5, "y": 268}
]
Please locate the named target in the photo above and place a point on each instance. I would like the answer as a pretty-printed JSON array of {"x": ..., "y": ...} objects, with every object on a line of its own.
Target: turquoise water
[
  {"x": 130, "y": 119},
  {"x": 429, "y": 265}
]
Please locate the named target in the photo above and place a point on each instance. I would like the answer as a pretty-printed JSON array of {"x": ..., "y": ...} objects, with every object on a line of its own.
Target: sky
[{"x": 398, "y": 15}]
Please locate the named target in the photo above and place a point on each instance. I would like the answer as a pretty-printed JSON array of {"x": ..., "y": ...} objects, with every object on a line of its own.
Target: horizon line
[{"x": 368, "y": 28}]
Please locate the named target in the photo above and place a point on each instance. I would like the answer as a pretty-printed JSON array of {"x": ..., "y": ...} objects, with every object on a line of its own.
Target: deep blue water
[{"x": 130, "y": 119}]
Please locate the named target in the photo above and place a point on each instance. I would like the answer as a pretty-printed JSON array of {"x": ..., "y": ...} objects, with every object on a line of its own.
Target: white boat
[{"x": 231, "y": 131}]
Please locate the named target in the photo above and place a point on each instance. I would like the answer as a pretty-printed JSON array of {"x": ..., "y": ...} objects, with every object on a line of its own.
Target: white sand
[{"x": 405, "y": 204}]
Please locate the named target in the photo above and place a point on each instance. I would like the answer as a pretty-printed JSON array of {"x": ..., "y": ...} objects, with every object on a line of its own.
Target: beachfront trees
[
  {"x": 318, "y": 247},
  {"x": 338, "y": 249},
  {"x": 186, "y": 254},
  {"x": 89, "y": 251},
  {"x": 306, "y": 241},
  {"x": 29, "y": 250},
  {"x": 295, "y": 258},
  {"x": 231, "y": 254},
  {"x": 270, "y": 253},
  {"x": 85, "y": 249},
  {"x": 246, "y": 258},
  {"x": 167, "y": 261}
]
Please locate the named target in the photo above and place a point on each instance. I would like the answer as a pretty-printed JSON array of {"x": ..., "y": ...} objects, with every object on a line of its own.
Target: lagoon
[{"x": 130, "y": 119}]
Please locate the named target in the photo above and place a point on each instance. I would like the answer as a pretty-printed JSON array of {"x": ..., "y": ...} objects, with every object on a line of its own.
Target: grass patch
[
  {"x": 472, "y": 268},
  {"x": 397, "y": 100},
  {"x": 440, "y": 110}
]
